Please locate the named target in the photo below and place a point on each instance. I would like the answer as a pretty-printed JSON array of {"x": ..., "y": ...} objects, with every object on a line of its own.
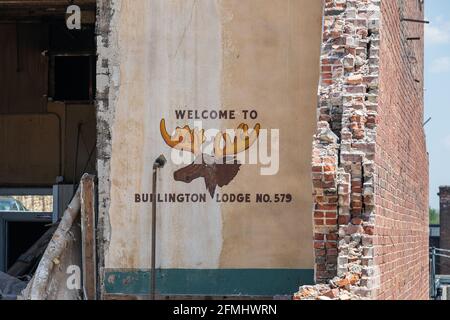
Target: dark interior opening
[
  {"x": 47, "y": 110},
  {"x": 20, "y": 237},
  {"x": 73, "y": 77},
  {"x": 63, "y": 40}
]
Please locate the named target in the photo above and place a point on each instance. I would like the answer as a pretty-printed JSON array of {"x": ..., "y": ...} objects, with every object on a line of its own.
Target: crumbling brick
[
  {"x": 377, "y": 155},
  {"x": 344, "y": 134}
]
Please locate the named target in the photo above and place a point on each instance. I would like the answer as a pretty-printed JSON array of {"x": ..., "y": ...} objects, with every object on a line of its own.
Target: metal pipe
[
  {"x": 415, "y": 20},
  {"x": 433, "y": 272},
  {"x": 153, "y": 266},
  {"x": 158, "y": 164}
]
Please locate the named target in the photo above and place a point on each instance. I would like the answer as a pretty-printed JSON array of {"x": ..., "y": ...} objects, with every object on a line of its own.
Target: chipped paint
[{"x": 157, "y": 56}]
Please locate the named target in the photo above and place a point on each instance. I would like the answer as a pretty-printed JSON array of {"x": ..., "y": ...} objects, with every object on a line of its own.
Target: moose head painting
[{"x": 218, "y": 169}]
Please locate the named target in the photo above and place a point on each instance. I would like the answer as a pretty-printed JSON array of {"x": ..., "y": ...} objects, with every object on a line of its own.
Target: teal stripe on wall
[{"x": 210, "y": 282}]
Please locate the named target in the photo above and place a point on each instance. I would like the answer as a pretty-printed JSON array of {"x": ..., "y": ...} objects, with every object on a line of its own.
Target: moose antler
[
  {"x": 242, "y": 141},
  {"x": 185, "y": 139},
  {"x": 215, "y": 173}
]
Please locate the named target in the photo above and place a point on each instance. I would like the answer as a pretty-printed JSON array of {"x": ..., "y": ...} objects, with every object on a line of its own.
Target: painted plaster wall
[{"x": 159, "y": 56}]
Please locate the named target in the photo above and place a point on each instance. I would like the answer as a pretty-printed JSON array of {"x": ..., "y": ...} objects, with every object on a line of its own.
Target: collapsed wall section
[
  {"x": 344, "y": 148},
  {"x": 369, "y": 155}
]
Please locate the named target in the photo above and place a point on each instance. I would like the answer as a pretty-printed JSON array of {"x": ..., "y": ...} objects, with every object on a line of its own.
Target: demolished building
[{"x": 336, "y": 193}]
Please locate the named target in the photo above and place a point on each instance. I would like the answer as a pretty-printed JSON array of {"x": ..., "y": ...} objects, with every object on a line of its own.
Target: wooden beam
[
  {"x": 88, "y": 243},
  {"x": 43, "y": 3},
  {"x": 37, "y": 288},
  {"x": 43, "y": 9}
]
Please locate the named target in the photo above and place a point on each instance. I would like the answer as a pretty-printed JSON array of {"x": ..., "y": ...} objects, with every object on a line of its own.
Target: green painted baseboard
[{"x": 208, "y": 282}]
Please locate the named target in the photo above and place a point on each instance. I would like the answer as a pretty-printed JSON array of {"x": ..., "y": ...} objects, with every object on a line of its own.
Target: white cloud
[
  {"x": 438, "y": 32},
  {"x": 440, "y": 65}
]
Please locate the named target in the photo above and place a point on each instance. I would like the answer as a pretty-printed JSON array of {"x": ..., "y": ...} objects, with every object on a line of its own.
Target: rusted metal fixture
[
  {"x": 158, "y": 164},
  {"x": 415, "y": 20}
]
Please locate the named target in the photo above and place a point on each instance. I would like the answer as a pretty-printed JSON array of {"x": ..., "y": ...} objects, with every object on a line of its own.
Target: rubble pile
[{"x": 339, "y": 288}]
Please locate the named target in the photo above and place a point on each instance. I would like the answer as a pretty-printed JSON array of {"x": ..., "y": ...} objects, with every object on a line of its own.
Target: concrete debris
[
  {"x": 326, "y": 135},
  {"x": 339, "y": 288}
]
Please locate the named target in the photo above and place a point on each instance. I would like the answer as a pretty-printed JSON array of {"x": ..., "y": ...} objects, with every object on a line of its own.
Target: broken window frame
[
  {"x": 5, "y": 218},
  {"x": 52, "y": 74},
  {"x": 15, "y": 216}
]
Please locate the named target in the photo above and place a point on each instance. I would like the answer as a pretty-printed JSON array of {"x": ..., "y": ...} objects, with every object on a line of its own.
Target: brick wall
[
  {"x": 370, "y": 165},
  {"x": 401, "y": 160},
  {"x": 444, "y": 242},
  {"x": 325, "y": 163},
  {"x": 343, "y": 165}
]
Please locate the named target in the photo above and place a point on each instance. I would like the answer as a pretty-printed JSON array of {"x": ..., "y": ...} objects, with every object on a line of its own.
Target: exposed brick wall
[
  {"x": 325, "y": 163},
  {"x": 348, "y": 100},
  {"x": 369, "y": 152},
  {"x": 401, "y": 160},
  {"x": 444, "y": 241}
]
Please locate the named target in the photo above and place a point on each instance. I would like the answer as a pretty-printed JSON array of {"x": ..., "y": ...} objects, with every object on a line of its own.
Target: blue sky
[{"x": 437, "y": 94}]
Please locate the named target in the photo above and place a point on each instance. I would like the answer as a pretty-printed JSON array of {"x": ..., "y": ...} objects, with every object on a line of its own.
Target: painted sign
[
  {"x": 227, "y": 91},
  {"x": 218, "y": 169}
]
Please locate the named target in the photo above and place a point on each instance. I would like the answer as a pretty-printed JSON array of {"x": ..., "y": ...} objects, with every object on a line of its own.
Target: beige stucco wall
[{"x": 211, "y": 54}]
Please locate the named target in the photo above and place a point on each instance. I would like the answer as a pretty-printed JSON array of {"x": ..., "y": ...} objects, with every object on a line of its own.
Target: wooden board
[
  {"x": 23, "y": 68},
  {"x": 88, "y": 246},
  {"x": 30, "y": 149}
]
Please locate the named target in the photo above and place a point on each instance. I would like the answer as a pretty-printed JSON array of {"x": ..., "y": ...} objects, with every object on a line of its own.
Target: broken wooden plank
[
  {"x": 37, "y": 288},
  {"x": 88, "y": 244}
]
